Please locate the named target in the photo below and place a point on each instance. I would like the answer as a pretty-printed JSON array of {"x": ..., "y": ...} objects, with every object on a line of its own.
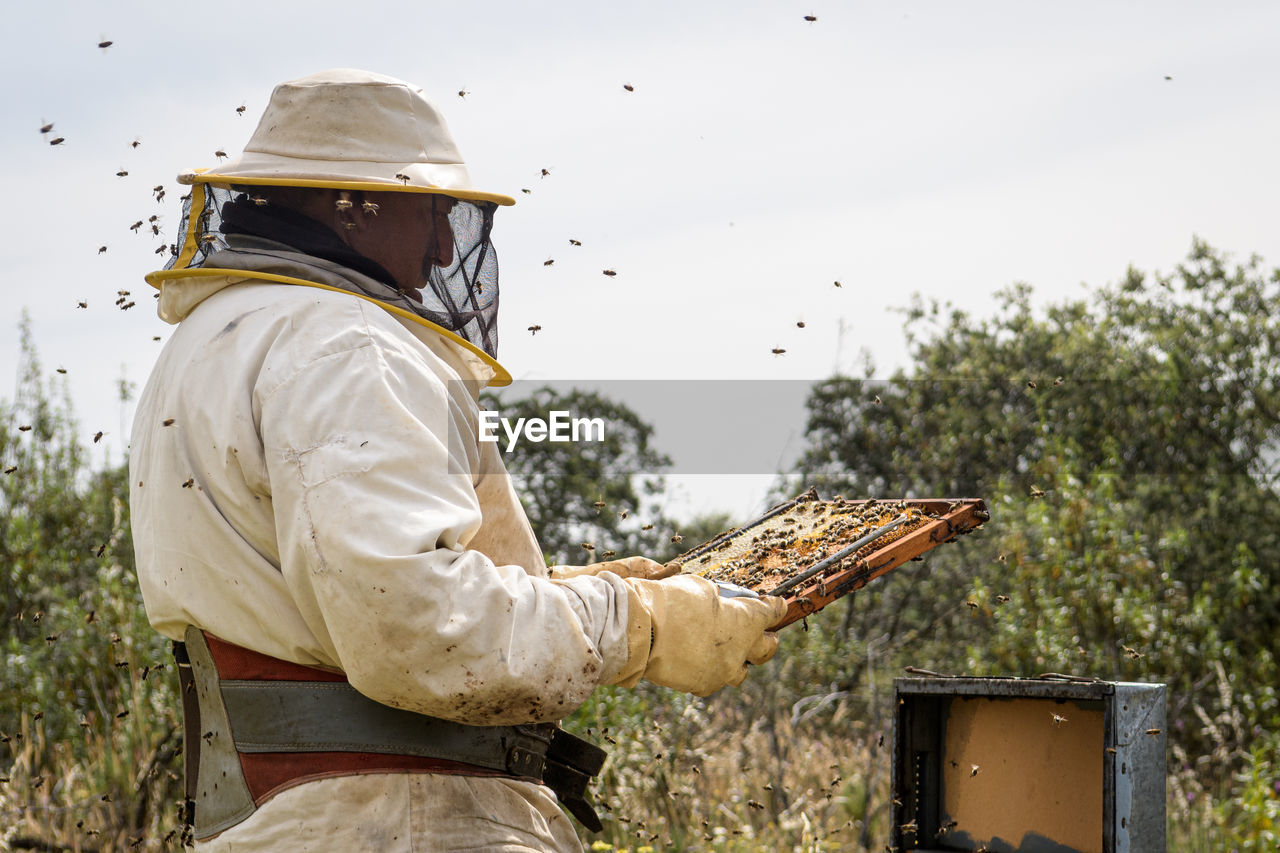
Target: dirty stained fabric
[{"x": 306, "y": 482}]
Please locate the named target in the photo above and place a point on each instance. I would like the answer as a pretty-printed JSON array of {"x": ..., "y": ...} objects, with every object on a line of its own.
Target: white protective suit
[{"x": 307, "y": 482}]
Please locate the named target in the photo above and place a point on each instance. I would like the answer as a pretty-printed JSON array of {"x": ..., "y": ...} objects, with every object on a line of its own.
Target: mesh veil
[{"x": 462, "y": 297}]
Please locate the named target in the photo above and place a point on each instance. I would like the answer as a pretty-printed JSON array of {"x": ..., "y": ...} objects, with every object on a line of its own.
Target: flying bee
[
  {"x": 158, "y": 188},
  {"x": 587, "y": 546},
  {"x": 599, "y": 505},
  {"x": 167, "y": 422},
  {"x": 1037, "y": 492},
  {"x": 462, "y": 93},
  {"x": 837, "y": 284},
  {"x": 1153, "y": 732},
  {"x": 526, "y": 191},
  {"x": 778, "y": 351},
  {"x": 209, "y": 238},
  {"x": 402, "y": 177},
  {"x": 608, "y": 555},
  {"x": 1111, "y": 750},
  {"x": 799, "y": 324},
  {"x": 647, "y": 527},
  {"x": 90, "y": 617},
  {"x": 548, "y": 262},
  {"x": 878, "y": 401},
  {"x": 105, "y": 43},
  {"x": 191, "y": 481},
  {"x": 1002, "y": 599},
  {"x": 1058, "y": 719},
  {"x": 155, "y": 231},
  {"x": 622, "y": 513},
  {"x": 57, "y": 140},
  {"x": 1057, "y": 382},
  {"x": 61, "y": 370},
  {"x": 240, "y": 110},
  {"x": 153, "y": 218},
  {"x": 220, "y": 154},
  {"x": 811, "y": 18},
  {"x": 155, "y": 337},
  {"x": 343, "y": 204},
  {"x": 610, "y": 273},
  {"x": 545, "y": 172},
  {"x": 1133, "y": 653},
  {"x": 369, "y": 208},
  {"x": 25, "y": 428},
  {"x": 135, "y": 143},
  {"x": 1031, "y": 383},
  {"x": 122, "y": 173},
  {"x": 160, "y": 250},
  {"x": 573, "y": 242},
  {"x": 534, "y": 329},
  {"x": 160, "y": 196},
  {"x": 628, "y": 87},
  {"x": 973, "y": 771},
  {"x": 45, "y": 128},
  {"x": 97, "y": 436},
  {"x": 122, "y": 715},
  {"x": 676, "y": 538},
  {"x": 135, "y": 226}
]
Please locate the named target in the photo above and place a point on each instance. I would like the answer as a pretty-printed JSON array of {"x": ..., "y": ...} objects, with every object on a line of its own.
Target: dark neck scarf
[{"x": 299, "y": 232}]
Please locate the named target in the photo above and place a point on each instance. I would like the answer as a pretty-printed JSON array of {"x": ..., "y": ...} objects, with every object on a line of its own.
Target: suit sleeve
[{"x": 372, "y": 458}]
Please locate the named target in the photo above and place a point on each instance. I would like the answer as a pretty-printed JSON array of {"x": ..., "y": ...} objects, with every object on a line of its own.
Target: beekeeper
[{"x": 373, "y": 652}]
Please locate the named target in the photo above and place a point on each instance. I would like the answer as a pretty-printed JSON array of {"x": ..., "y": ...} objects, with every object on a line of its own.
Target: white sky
[{"x": 942, "y": 148}]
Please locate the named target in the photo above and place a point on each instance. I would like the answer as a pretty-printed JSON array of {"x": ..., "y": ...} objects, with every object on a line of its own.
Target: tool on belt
[{"x": 255, "y": 725}]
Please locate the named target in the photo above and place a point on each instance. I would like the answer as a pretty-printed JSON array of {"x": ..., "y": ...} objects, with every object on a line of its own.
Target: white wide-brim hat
[{"x": 350, "y": 129}]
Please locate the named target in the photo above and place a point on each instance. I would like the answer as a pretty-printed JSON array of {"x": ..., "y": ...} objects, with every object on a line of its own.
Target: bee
[
  {"x": 153, "y": 218},
  {"x": 57, "y": 140},
  {"x": 1111, "y": 750},
  {"x": 1133, "y": 653},
  {"x": 647, "y": 527},
  {"x": 61, "y": 370},
  {"x": 155, "y": 231},
  {"x": 37, "y": 782},
  {"x": 105, "y": 43},
  {"x": 25, "y": 428},
  {"x": 599, "y": 505},
  {"x": 755, "y": 804},
  {"x": 573, "y": 242},
  {"x": 155, "y": 337},
  {"x": 462, "y": 93},
  {"x": 534, "y": 329},
  {"x": 1037, "y": 492},
  {"x": 403, "y": 178},
  {"x": 1153, "y": 732},
  {"x": 799, "y": 324},
  {"x": 608, "y": 555},
  {"x": 1058, "y": 719},
  {"x": 1002, "y": 599},
  {"x": 622, "y": 513},
  {"x": 811, "y": 18},
  {"x": 122, "y": 173},
  {"x": 343, "y": 204},
  {"x": 101, "y": 249},
  {"x": 587, "y": 546},
  {"x": 878, "y": 401},
  {"x": 1001, "y": 558},
  {"x": 158, "y": 188},
  {"x": 90, "y": 617},
  {"x": 191, "y": 481},
  {"x": 240, "y": 110},
  {"x": 220, "y": 154},
  {"x": 106, "y": 798},
  {"x": 369, "y": 208},
  {"x": 628, "y": 87},
  {"x": 610, "y": 273},
  {"x": 908, "y": 827},
  {"x": 545, "y": 172},
  {"x": 209, "y": 239},
  {"x": 160, "y": 196},
  {"x": 135, "y": 226},
  {"x": 1057, "y": 382},
  {"x": 167, "y": 422},
  {"x": 778, "y": 351},
  {"x": 160, "y": 250},
  {"x": 1031, "y": 383},
  {"x": 526, "y": 191},
  {"x": 676, "y": 538},
  {"x": 122, "y": 664},
  {"x": 837, "y": 284},
  {"x": 548, "y": 262},
  {"x": 51, "y": 638},
  {"x": 45, "y": 128},
  {"x": 135, "y": 143},
  {"x": 973, "y": 771},
  {"x": 37, "y": 716}
]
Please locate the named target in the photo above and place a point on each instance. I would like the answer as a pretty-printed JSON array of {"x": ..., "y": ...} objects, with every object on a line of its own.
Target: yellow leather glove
[
  {"x": 628, "y": 567},
  {"x": 682, "y": 634}
]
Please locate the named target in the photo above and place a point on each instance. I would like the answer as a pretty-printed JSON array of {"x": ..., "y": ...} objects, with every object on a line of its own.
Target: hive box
[{"x": 1028, "y": 765}]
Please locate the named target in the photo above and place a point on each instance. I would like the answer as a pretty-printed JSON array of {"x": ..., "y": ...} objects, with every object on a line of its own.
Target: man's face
[{"x": 408, "y": 234}]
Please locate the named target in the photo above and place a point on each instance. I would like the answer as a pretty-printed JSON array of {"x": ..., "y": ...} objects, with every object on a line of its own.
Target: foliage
[
  {"x": 598, "y": 492},
  {"x": 87, "y": 713}
]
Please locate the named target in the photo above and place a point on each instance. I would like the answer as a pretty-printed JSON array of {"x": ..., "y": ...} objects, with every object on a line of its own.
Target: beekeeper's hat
[{"x": 350, "y": 129}]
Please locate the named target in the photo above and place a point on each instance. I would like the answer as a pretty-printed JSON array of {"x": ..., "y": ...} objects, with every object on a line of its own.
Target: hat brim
[{"x": 269, "y": 170}]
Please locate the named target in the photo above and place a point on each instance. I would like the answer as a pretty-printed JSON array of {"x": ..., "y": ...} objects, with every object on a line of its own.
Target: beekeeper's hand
[
  {"x": 629, "y": 567},
  {"x": 682, "y": 634}
]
